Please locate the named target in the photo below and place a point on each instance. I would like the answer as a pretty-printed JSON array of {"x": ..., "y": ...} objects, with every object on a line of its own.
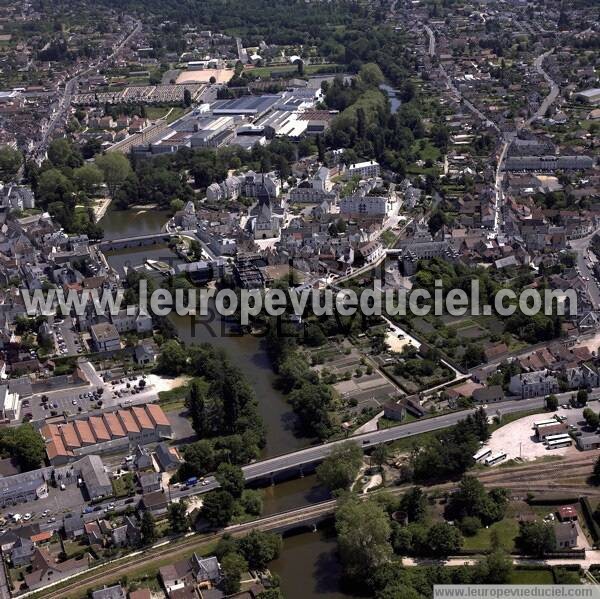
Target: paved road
[
  {"x": 266, "y": 468},
  {"x": 64, "y": 101},
  {"x": 554, "y": 89},
  {"x": 499, "y": 193},
  {"x": 431, "y": 36},
  {"x": 581, "y": 248}
]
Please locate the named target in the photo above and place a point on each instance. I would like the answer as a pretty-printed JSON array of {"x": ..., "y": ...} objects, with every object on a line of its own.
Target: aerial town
[{"x": 254, "y": 149}]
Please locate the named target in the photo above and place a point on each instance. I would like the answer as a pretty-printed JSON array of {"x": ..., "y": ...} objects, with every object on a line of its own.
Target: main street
[
  {"x": 538, "y": 63},
  {"x": 582, "y": 252},
  {"x": 61, "y": 111}
]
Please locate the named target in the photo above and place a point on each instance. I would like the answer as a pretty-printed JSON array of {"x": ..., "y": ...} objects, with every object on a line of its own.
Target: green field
[
  {"x": 506, "y": 530},
  {"x": 173, "y": 400},
  {"x": 310, "y": 69},
  {"x": 532, "y": 577}
]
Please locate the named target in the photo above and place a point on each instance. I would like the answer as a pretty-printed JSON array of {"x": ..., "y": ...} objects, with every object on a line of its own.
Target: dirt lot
[
  {"x": 517, "y": 438},
  {"x": 204, "y": 75}
]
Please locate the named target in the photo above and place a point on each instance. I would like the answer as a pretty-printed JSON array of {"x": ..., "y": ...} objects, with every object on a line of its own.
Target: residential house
[
  {"x": 150, "y": 481},
  {"x": 168, "y": 457},
  {"x": 203, "y": 572},
  {"x": 146, "y": 352},
  {"x": 73, "y": 525},
  {"x": 105, "y": 337},
  {"x": 114, "y": 592},
  {"x": 487, "y": 395},
  {"x": 566, "y": 535},
  {"x": 45, "y": 569},
  {"x": 22, "y": 552},
  {"x": 533, "y": 384},
  {"x": 156, "y": 502}
]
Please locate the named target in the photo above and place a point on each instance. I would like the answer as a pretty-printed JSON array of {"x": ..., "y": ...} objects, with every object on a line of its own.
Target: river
[
  {"x": 247, "y": 352},
  {"x": 308, "y": 565},
  {"x": 392, "y": 94}
]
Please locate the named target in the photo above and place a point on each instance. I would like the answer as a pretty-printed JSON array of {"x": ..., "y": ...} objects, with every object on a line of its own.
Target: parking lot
[
  {"x": 75, "y": 400},
  {"x": 56, "y": 503},
  {"x": 66, "y": 339},
  {"x": 518, "y": 440}
]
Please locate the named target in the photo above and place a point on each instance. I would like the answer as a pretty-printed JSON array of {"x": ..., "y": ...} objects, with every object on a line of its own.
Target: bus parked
[
  {"x": 557, "y": 443},
  {"x": 494, "y": 459},
  {"x": 482, "y": 454}
]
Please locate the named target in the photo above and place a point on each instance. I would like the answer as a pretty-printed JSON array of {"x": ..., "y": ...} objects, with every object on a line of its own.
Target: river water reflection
[
  {"x": 247, "y": 352},
  {"x": 308, "y": 566}
]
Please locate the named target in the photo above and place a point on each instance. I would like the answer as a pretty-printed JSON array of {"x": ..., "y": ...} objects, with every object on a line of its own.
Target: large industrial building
[
  {"x": 109, "y": 432},
  {"x": 244, "y": 121}
]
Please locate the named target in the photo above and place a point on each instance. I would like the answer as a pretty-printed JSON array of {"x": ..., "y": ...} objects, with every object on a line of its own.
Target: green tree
[
  {"x": 173, "y": 358},
  {"x": 271, "y": 594},
  {"x": 88, "y": 178},
  {"x": 176, "y": 205},
  {"x": 399, "y": 591},
  {"x": 370, "y": 75},
  {"x": 471, "y": 499},
  {"x": 592, "y": 419},
  {"x": 217, "y": 508},
  {"x": 231, "y": 479},
  {"x": 381, "y": 455},
  {"x": 25, "y": 445},
  {"x": 10, "y": 163},
  {"x": 414, "y": 504},
  {"x": 596, "y": 471},
  {"x": 148, "y": 528},
  {"x": 582, "y": 397},
  {"x": 233, "y": 565},
  {"x": 469, "y": 525},
  {"x": 53, "y": 186},
  {"x": 115, "y": 168},
  {"x": 443, "y": 539},
  {"x": 259, "y": 548},
  {"x": 363, "y": 533},
  {"x": 536, "y": 538},
  {"x": 551, "y": 403},
  {"x": 178, "y": 518},
  {"x": 199, "y": 459},
  {"x": 251, "y": 501},
  {"x": 494, "y": 568},
  {"x": 62, "y": 153},
  {"x": 339, "y": 470}
]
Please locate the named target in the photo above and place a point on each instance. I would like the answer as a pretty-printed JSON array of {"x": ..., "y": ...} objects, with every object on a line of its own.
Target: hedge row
[{"x": 589, "y": 518}]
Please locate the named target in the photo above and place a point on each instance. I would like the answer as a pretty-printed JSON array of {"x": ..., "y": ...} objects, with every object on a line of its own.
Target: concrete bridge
[{"x": 141, "y": 240}]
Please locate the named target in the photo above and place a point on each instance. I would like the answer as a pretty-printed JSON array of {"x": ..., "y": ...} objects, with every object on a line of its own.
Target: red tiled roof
[
  {"x": 142, "y": 418},
  {"x": 69, "y": 436},
  {"x": 86, "y": 436},
  {"x": 113, "y": 424},
  {"x": 56, "y": 448},
  {"x": 158, "y": 417},
  {"x": 99, "y": 429},
  {"x": 128, "y": 422}
]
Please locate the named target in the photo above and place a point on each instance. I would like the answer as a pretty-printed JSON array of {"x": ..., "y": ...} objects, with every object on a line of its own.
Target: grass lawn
[
  {"x": 506, "y": 530},
  {"x": 310, "y": 69},
  {"x": 174, "y": 399},
  {"x": 388, "y": 238},
  {"x": 124, "y": 486},
  {"x": 531, "y": 577}
]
